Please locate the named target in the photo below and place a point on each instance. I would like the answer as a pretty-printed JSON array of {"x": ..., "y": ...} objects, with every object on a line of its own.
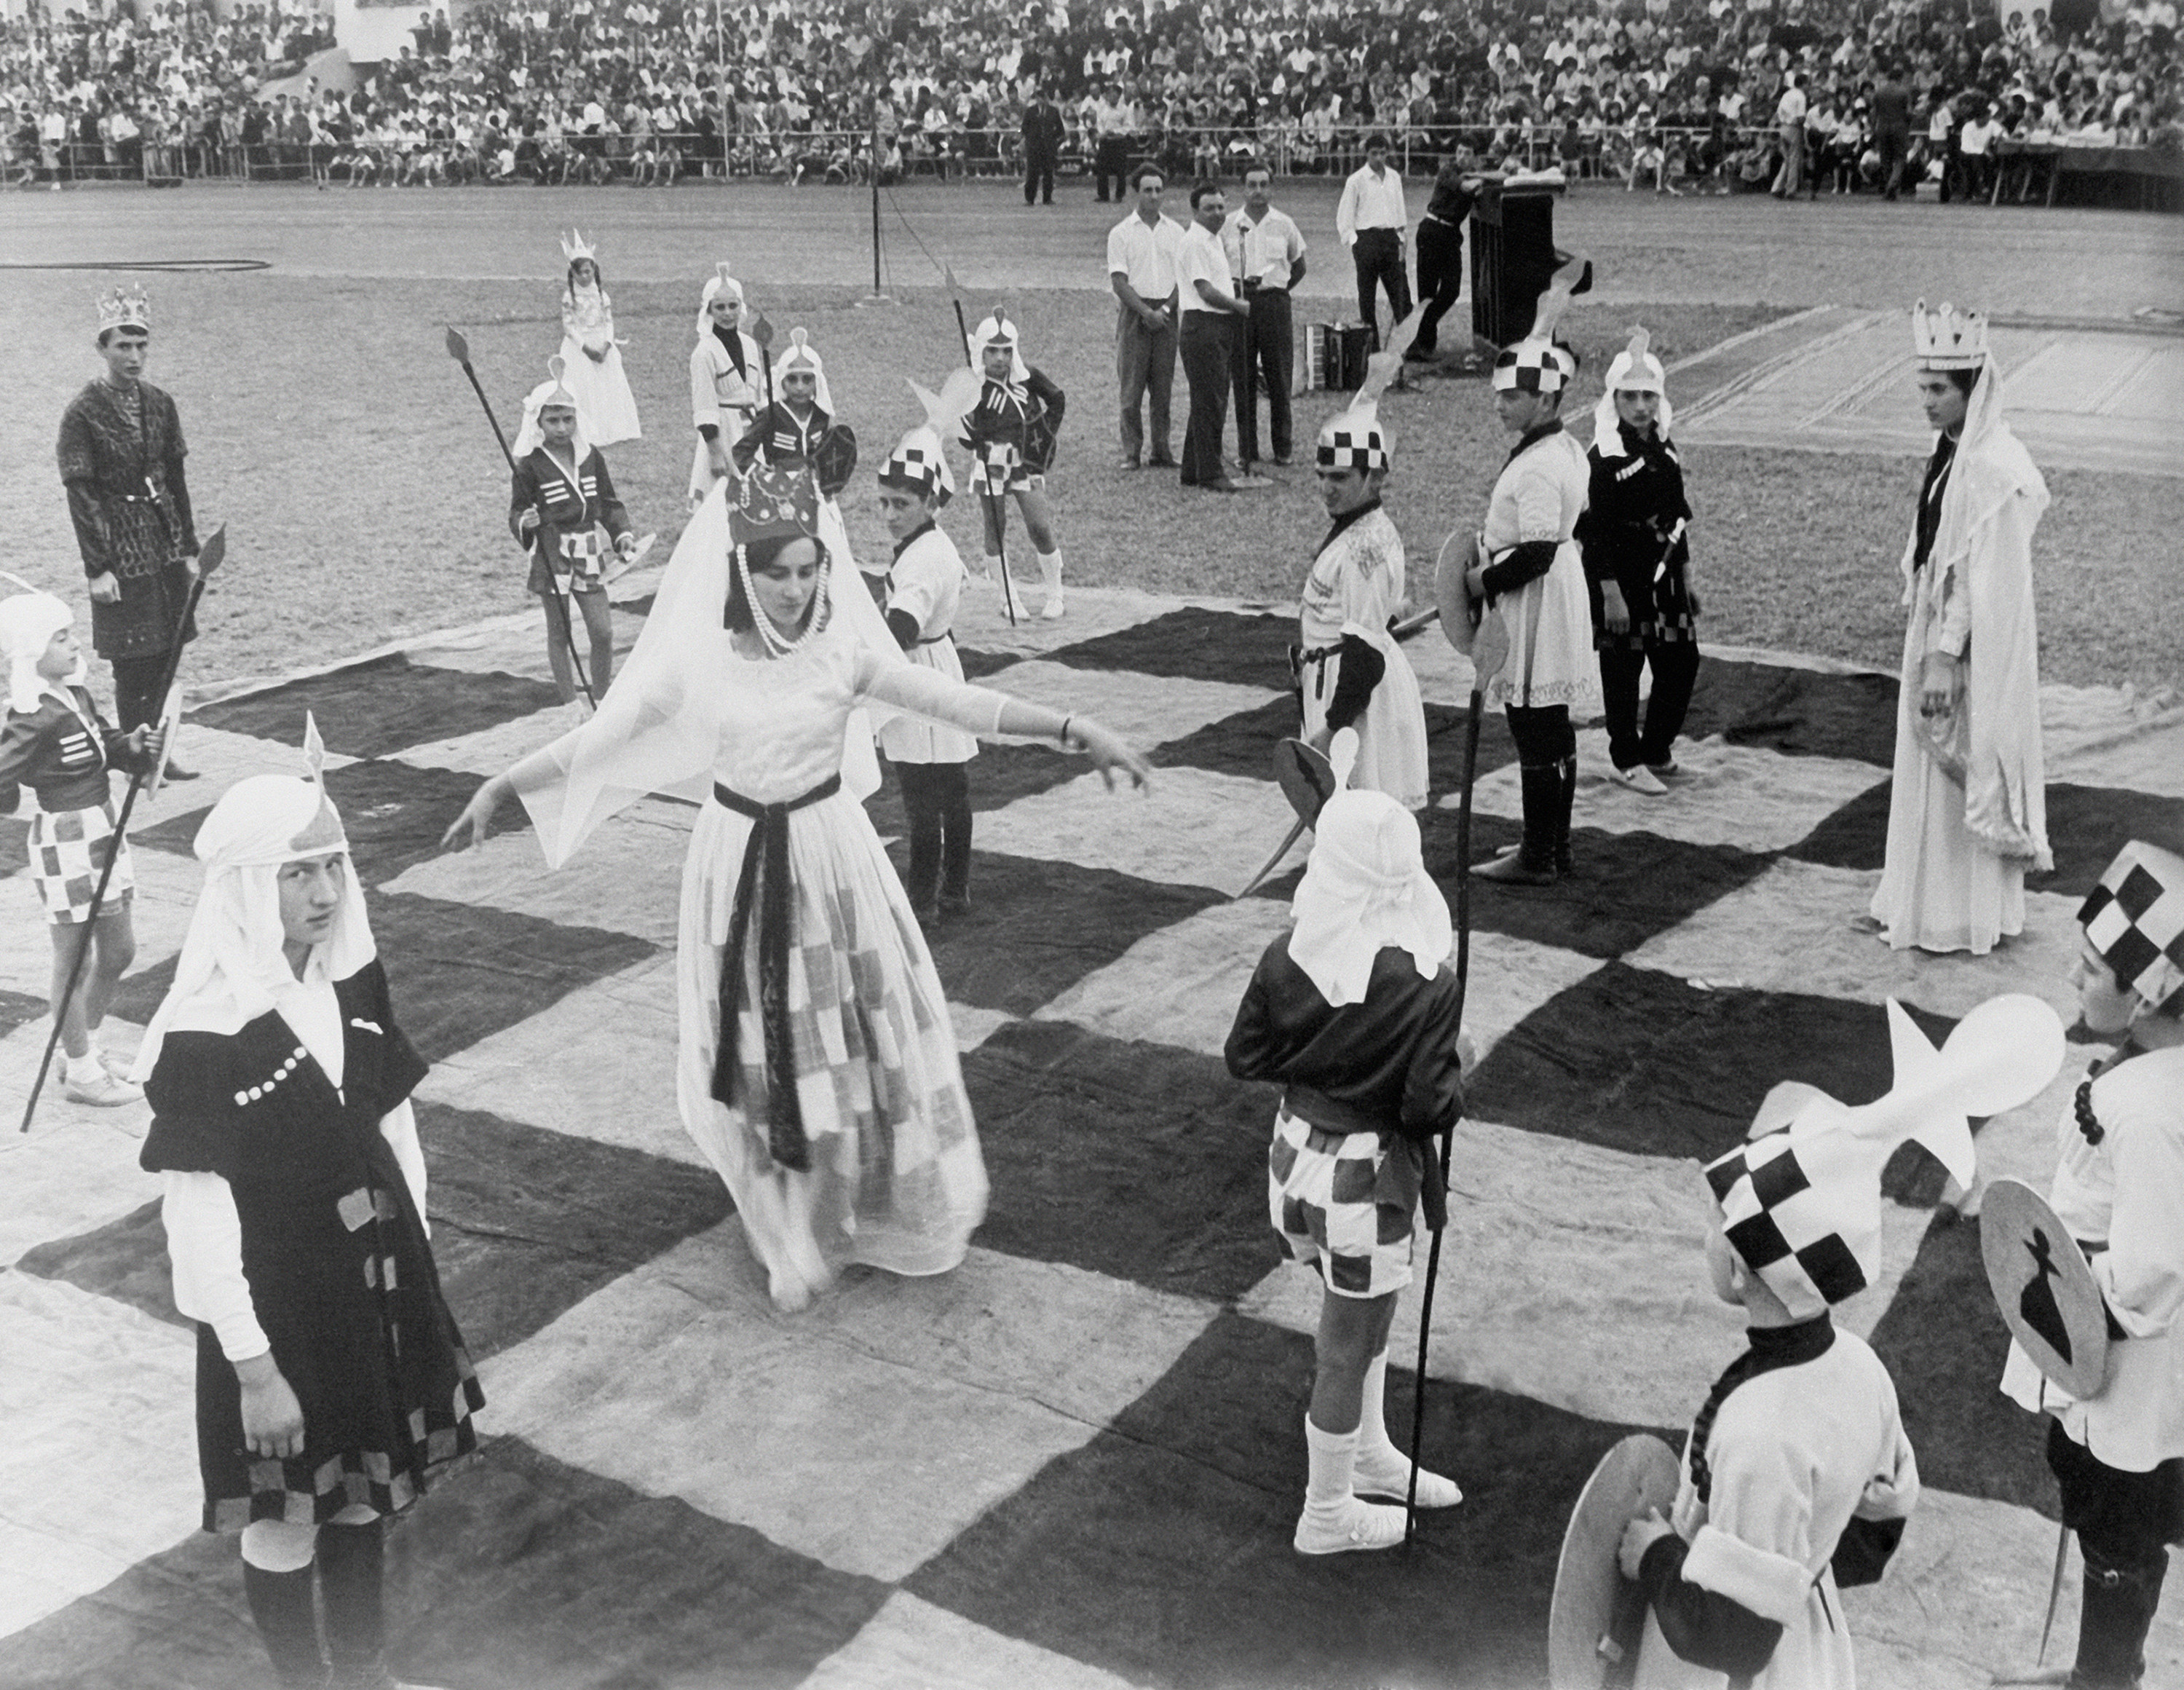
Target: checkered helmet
[
  {"x": 1535, "y": 366},
  {"x": 919, "y": 464},
  {"x": 2134, "y": 917},
  {"x": 1804, "y": 1214},
  {"x": 1354, "y": 440}
]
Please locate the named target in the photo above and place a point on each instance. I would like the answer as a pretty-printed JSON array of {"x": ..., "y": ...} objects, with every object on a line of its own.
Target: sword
[
  {"x": 1273, "y": 862},
  {"x": 2040, "y": 1673},
  {"x": 636, "y": 556}
]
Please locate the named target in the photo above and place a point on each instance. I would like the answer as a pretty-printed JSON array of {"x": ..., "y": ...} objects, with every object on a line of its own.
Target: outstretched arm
[{"x": 983, "y": 710}]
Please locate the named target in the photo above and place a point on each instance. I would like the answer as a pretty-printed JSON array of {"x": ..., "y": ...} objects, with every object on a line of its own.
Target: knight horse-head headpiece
[
  {"x": 1354, "y": 438},
  {"x": 919, "y": 462}
]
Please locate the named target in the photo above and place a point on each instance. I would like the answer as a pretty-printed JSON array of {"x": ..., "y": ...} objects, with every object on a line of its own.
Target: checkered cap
[
  {"x": 1804, "y": 1213},
  {"x": 1352, "y": 442},
  {"x": 920, "y": 464},
  {"x": 2135, "y": 918},
  {"x": 1534, "y": 366}
]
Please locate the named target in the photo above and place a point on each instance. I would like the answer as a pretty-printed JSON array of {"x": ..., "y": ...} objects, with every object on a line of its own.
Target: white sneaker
[
  {"x": 1052, "y": 609},
  {"x": 1339, "y": 1527},
  {"x": 1639, "y": 779},
  {"x": 1386, "y": 1473},
  {"x": 98, "y": 1087}
]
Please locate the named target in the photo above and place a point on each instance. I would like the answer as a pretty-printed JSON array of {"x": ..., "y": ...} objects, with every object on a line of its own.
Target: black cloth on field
[
  {"x": 1387, "y": 1064},
  {"x": 51, "y": 751},
  {"x": 121, "y": 462},
  {"x": 1633, "y": 504},
  {"x": 341, "y": 1277}
]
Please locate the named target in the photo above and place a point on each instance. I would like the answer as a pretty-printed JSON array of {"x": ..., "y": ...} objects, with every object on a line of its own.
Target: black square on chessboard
[
  {"x": 980, "y": 665},
  {"x": 1194, "y": 644},
  {"x": 2089, "y": 825},
  {"x": 1800, "y": 712},
  {"x": 386, "y": 704}
]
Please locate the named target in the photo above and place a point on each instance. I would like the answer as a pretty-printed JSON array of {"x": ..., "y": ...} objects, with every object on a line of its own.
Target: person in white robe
[{"x": 604, "y": 405}]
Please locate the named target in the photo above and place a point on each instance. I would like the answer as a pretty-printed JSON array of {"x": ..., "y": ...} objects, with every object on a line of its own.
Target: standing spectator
[
  {"x": 1212, "y": 331},
  {"x": 1440, "y": 251},
  {"x": 1975, "y": 137},
  {"x": 121, "y": 457},
  {"x": 1042, "y": 146},
  {"x": 1942, "y": 139},
  {"x": 1891, "y": 128},
  {"x": 1141, "y": 267},
  {"x": 1114, "y": 121},
  {"x": 1372, "y": 219},
  {"x": 1790, "y": 129},
  {"x": 1266, "y": 252}
]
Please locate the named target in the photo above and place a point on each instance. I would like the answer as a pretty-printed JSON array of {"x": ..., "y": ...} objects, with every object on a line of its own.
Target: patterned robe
[{"x": 131, "y": 506}]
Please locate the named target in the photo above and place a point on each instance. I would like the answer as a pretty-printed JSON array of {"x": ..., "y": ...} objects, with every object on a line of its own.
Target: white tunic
[
  {"x": 1539, "y": 495},
  {"x": 722, "y": 398},
  {"x": 1356, "y": 587},
  {"x": 606, "y": 410},
  {"x": 926, "y": 582},
  {"x": 2128, "y": 1190}
]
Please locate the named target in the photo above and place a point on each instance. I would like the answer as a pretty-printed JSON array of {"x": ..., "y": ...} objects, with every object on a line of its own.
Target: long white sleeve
[
  {"x": 398, "y": 1127},
  {"x": 204, "y": 1243},
  {"x": 931, "y": 694}
]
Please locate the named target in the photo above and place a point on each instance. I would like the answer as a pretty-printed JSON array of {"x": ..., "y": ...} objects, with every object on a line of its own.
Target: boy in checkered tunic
[
  {"x": 1355, "y": 1011},
  {"x": 1797, "y": 1477},
  {"x": 1011, "y": 435},
  {"x": 2119, "y": 1456},
  {"x": 56, "y": 743}
]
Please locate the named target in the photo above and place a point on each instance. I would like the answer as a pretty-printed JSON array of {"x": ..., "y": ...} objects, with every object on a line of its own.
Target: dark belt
[{"x": 765, "y": 874}]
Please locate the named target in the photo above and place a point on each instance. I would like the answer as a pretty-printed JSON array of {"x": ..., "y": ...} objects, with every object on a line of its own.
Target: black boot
[
  {"x": 2117, "y": 1613},
  {"x": 1565, "y": 802},
  {"x": 1533, "y": 863},
  {"x": 350, "y": 1576},
  {"x": 286, "y": 1614}
]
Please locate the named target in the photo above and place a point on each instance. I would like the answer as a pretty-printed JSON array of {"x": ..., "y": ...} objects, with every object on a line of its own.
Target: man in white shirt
[
  {"x": 1115, "y": 120},
  {"x": 1213, "y": 315},
  {"x": 1266, "y": 254},
  {"x": 1372, "y": 219},
  {"x": 1141, "y": 261},
  {"x": 1974, "y": 138},
  {"x": 1790, "y": 129}
]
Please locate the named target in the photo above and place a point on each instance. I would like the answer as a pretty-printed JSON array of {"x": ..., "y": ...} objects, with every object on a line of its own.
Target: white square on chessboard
[
  {"x": 982, "y": 622},
  {"x": 77, "y": 1167},
  {"x": 1147, "y": 709},
  {"x": 1181, "y": 984},
  {"x": 986, "y": 1373},
  {"x": 627, "y": 878},
  {"x": 1741, "y": 795},
  {"x": 912, "y": 1644},
  {"x": 491, "y": 750},
  {"x": 1195, "y": 826},
  {"x": 220, "y": 759},
  {"x": 98, "y": 1469},
  {"x": 1803, "y": 927},
  {"x": 158, "y": 915},
  {"x": 1603, "y": 1249}
]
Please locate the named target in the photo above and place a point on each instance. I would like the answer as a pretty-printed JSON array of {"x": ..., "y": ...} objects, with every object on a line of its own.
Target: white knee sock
[
  {"x": 1380, "y": 1467},
  {"x": 275, "y": 1546},
  {"x": 1050, "y": 575},
  {"x": 1333, "y": 1519}
]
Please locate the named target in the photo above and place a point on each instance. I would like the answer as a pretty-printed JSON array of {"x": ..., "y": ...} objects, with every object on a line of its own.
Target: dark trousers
[
  {"x": 1038, "y": 176},
  {"x": 1440, "y": 280},
  {"x": 136, "y": 699},
  {"x": 936, "y": 797},
  {"x": 1111, "y": 162},
  {"x": 1379, "y": 256},
  {"x": 1675, "y": 669},
  {"x": 1144, "y": 368},
  {"x": 1894, "y": 146},
  {"x": 1210, "y": 357},
  {"x": 1265, "y": 361},
  {"x": 2124, "y": 1522}
]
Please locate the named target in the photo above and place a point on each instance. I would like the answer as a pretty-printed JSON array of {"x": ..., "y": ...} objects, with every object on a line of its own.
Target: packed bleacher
[{"x": 1672, "y": 95}]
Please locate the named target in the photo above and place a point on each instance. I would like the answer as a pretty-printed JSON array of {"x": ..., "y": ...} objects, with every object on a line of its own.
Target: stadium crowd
[{"x": 1652, "y": 91}]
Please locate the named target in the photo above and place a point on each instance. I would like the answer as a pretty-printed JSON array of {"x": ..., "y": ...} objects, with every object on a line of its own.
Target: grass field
[{"x": 365, "y": 500}]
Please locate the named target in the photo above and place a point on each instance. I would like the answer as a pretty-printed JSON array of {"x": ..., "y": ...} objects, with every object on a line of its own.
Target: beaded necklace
[{"x": 777, "y": 644}]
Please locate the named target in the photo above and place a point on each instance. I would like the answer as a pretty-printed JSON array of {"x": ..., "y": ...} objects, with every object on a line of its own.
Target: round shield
[
  {"x": 1306, "y": 777},
  {"x": 1598, "y": 1615},
  {"x": 2047, "y": 1296},
  {"x": 1459, "y": 614}
]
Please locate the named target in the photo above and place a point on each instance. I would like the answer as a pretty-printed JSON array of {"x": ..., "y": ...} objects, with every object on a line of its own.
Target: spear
[
  {"x": 995, "y": 505},
  {"x": 209, "y": 556},
  {"x": 459, "y": 349}
]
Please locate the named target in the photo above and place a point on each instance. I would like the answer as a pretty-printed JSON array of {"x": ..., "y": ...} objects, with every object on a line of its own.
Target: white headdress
[
  {"x": 803, "y": 355},
  {"x": 574, "y": 246},
  {"x": 998, "y": 331},
  {"x": 553, "y": 391},
  {"x": 715, "y": 284},
  {"x": 1948, "y": 339},
  {"x": 1635, "y": 371},
  {"x": 1365, "y": 887},
  {"x": 920, "y": 460},
  {"x": 231, "y": 961},
  {"x": 28, "y": 622},
  {"x": 1800, "y": 1201},
  {"x": 1354, "y": 438}
]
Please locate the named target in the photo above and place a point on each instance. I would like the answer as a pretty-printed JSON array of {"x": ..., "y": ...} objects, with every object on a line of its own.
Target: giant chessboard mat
[{"x": 1076, "y": 1460}]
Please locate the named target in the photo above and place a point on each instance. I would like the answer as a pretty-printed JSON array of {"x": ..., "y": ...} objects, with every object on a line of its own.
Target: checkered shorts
[
  {"x": 68, "y": 850},
  {"x": 1342, "y": 1203}
]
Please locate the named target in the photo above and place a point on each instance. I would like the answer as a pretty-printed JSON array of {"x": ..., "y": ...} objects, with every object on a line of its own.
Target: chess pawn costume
[
  {"x": 815, "y": 440},
  {"x": 564, "y": 511},
  {"x": 729, "y": 380},
  {"x": 1967, "y": 810},
  {"x": 2119, "y": 1186},
  {"x": 1354, "y": 1013},
  {"x": 925, "y": 583},
  {"x": 1351, "y": 672},
  {"x": 605, "y": 407},
  {"x": 121, "y": 453},
  {"x": 1534, "y": 579},
  {"x": 1011, "y": 434},
  {"x": 1798, "y": 1477},
  {"x": 1632, "y": 535},
  {"x": 295, "y": 1217}
]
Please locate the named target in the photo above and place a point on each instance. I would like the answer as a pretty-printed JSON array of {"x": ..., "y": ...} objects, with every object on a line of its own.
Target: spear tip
[
  {"x": 210, "y": 554},
  {"x": 458, "y": 348}
]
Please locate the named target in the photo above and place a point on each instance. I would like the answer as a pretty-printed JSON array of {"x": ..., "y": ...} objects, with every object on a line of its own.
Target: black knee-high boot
[
  {"x": 2118, "y": 1611},
  {"x": 1533, "y": 863},
  {"x": 1565, "y": 803},
  {"x": 351, "y": 1559},
  {"x": 286, "y": 1612}
]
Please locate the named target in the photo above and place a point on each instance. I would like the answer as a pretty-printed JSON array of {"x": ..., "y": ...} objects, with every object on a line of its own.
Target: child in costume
[
  {"x": 2119, "y": 1186},
  {"x": 800, "y": 428},
  {"x": 1350, "y": 671},
  {"x": 926, "y": 582},
  {"x": 562, "y": 509},
  {"x": 604, "y": 405},
  {"x": 56, "y": 743},
  {"x": 729, "y": 380},
  {"x": 332, "y": 1384},
  {"x": 1355, "y": 1011},
  {"x": 1797, "y": 1477},
  {"x": 1011, "y": 435}
]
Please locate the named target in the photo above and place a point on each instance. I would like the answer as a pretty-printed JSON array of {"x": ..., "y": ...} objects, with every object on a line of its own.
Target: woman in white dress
[
  {"x": 605, "y": 407},
  {"x": 833, "y": 1104}
]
